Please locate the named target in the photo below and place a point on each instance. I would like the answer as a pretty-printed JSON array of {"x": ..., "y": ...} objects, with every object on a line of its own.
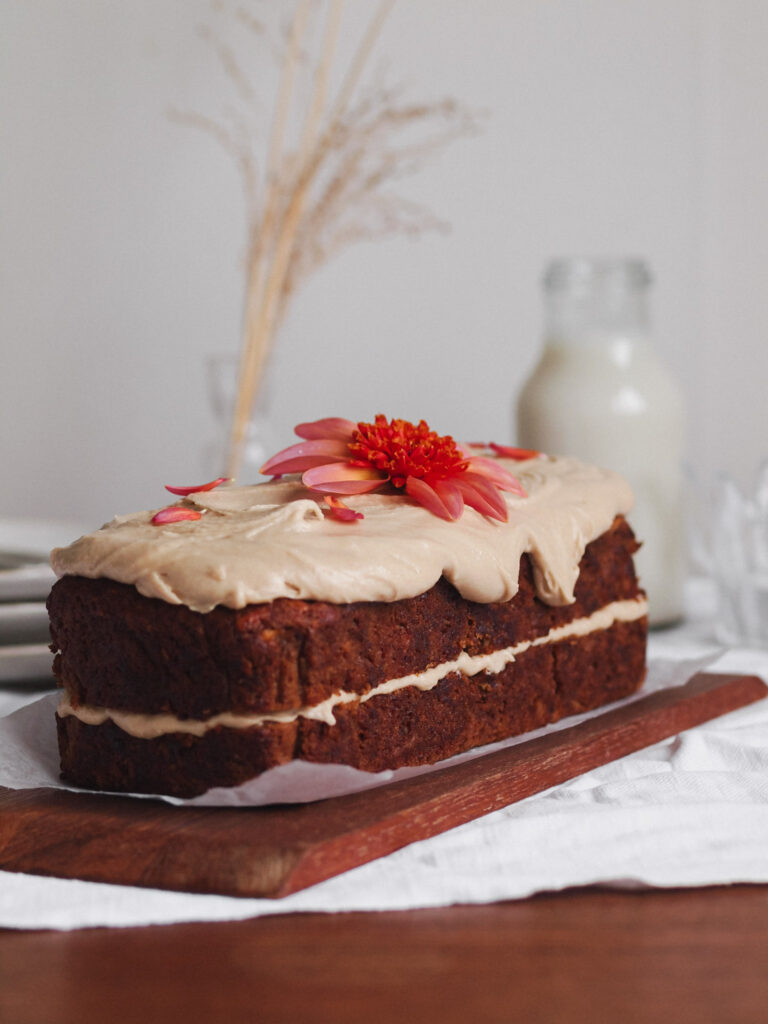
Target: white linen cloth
[{"x": 690, "y": 811}]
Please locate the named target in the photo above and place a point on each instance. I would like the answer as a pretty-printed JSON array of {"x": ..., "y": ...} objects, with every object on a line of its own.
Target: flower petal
[
  {"x": 174, "y": 514},
  {"x": 510, "y": 452},
  {"x": 451, "y": 496},
  {"x": 305, "y": 455},
  {"x": 427, "y": 496},
  {"x": 338, "y": 510},
  {"x": 350, "y": 487},
  {"x": 333, "y": 427},
  {"x": 342, "y": 478},
  {"x": 496, "y": 474},
  {"x": 184, "y": 491},
  {"x": 481, "y": 495}
]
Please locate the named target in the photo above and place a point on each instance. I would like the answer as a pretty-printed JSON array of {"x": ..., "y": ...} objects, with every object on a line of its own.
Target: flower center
[{"x": 402, "y": 449}]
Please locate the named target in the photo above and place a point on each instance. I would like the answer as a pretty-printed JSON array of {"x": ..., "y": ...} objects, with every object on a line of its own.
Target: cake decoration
[
  {"x": 337, "y": 509},
  {"x": 337, "y": 456},
  {"x": 507, "y": 451},
  {"x": 174, "y": 514},
  {"x": 178, "y": 513},
  {"x": 184, "y": 492}
]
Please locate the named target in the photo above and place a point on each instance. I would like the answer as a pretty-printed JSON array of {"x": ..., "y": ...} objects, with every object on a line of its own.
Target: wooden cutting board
[{"x": 273, "y": 851}]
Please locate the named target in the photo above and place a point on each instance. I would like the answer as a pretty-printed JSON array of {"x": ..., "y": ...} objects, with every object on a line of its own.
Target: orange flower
[{"x": 337, "y": 456}]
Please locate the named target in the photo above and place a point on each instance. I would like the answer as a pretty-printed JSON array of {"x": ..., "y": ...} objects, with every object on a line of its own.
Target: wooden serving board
[{"x": 273, "y": 851}]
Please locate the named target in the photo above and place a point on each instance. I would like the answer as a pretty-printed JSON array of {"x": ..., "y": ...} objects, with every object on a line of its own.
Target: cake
[{"x": 249, "y": 626}]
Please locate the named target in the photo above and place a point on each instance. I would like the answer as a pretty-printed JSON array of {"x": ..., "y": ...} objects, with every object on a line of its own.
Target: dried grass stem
[{"x": 326, "y": 193}]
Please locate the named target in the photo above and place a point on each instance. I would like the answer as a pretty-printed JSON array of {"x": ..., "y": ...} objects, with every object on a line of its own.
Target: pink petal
[
  {"x": 174, "y": 514},
  {"x": 496, "y": 474},
  {"x": 350, "y": 487},
  {"x": 333, "y": 428},
  {"x": 510, "y": 452},
  {"x": 299, "y": 465},
  {"x": 341, "y": 478},
  {"x": 451, "y": 496},
  {"x": 481, "y": 495},
  {"x": 184, "y": 491},
  {"x": 338, "y": 510},
  {"x": 305, "y": 455},
  {"x": 427, "y": 496}
]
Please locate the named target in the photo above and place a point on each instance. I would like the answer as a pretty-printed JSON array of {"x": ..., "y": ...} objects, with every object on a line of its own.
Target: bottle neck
[{"x": 596, "y": 301}]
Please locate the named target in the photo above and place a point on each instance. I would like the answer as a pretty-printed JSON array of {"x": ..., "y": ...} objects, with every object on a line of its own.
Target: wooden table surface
[{"x": 589, "y": 955}]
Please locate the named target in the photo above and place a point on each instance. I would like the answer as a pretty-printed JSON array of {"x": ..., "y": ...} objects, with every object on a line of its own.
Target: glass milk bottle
[{"x": 601, "y": 393}]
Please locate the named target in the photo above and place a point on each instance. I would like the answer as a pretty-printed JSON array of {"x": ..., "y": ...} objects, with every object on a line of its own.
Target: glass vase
[{"x": 258, "y": 443}]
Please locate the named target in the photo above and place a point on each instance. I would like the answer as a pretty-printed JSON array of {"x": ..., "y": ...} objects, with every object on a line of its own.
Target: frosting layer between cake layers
[
  {"x": 257, "y": 543},
  {"x": 150, "y": 726}
]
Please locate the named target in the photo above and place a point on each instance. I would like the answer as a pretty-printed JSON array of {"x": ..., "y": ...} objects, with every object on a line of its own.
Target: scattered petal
[
  {"x": 338, "y": 510},
  {"x": 185, "y": 491},
  {"x": 174, "y": 514},
  {"x": 506, "y": 451}
]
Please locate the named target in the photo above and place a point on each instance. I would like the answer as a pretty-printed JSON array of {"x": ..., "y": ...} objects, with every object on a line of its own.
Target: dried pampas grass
[{"x": 321, "y": 186}]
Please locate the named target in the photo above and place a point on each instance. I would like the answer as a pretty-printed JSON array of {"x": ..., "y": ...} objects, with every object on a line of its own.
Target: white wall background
[{"x": 613, "y": 126}]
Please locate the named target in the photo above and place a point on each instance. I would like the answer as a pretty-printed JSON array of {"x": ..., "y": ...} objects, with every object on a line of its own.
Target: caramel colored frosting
[{"x": 257, "y": 543}]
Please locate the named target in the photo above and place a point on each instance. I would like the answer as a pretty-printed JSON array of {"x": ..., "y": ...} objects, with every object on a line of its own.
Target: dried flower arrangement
[{"x": 310, "y": 198}]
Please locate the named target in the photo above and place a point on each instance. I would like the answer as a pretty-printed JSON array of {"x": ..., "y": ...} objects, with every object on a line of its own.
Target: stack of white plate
[{"x": 25, "y": 581}]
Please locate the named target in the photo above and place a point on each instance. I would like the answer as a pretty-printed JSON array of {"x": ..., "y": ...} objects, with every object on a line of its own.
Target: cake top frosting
[{"x": 256, "y": 543}]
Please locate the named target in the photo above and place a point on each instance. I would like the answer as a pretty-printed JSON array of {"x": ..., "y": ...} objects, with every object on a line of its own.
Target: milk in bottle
[{"x": 600, "y": 392}]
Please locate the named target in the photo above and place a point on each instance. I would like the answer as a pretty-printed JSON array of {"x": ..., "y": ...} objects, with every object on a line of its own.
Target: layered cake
[{"x": 369, "y": 624}]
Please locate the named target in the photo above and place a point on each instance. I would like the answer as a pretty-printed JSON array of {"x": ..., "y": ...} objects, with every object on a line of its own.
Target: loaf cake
[{"x": 245, "y": 627}]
